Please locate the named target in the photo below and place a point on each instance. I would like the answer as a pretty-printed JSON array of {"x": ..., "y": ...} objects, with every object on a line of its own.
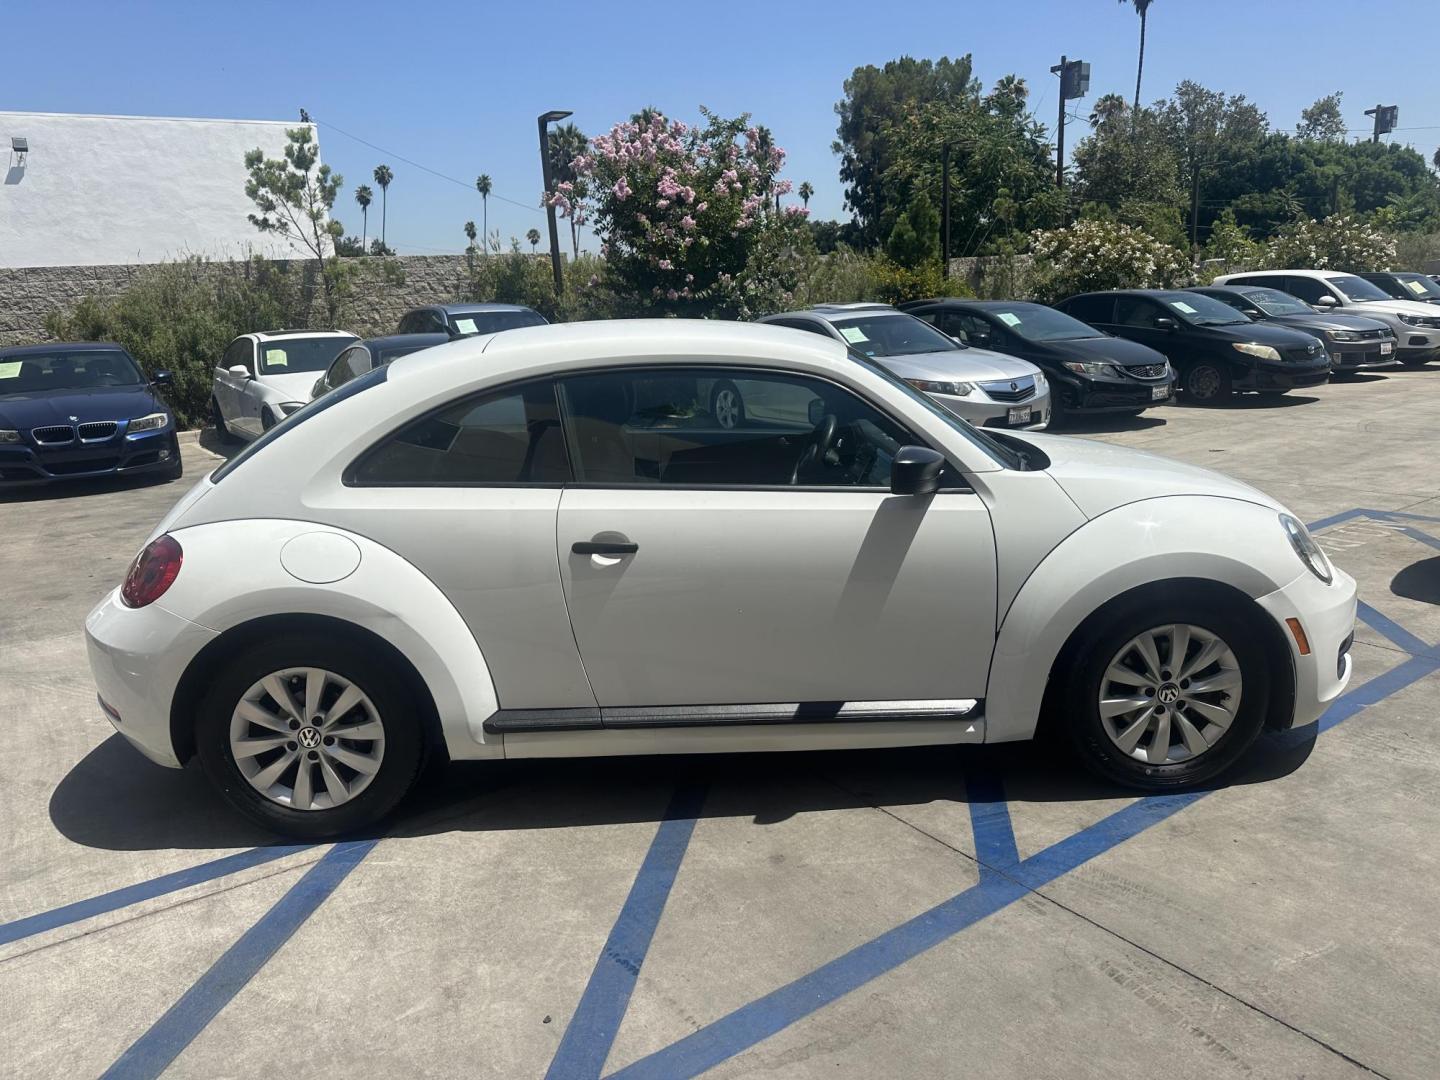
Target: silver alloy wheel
[
  {"x": 1170, "y": 694},
  {"x": 307, "y": 738},
  {"x": 727, "y": 407}
]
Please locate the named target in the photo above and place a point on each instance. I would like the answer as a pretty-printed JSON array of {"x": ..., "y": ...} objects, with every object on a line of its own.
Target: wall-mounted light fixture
[{"x": 19, "y": 147}]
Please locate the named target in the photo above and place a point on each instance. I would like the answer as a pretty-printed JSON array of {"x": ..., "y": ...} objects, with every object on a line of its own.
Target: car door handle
[{"x": 604, "y": 547}]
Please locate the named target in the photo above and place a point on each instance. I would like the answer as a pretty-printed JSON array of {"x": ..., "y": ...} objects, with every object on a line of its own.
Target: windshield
[
  {"x": 1200, "y": 310},
  {"x": 1357, "y": 289},
  {"x": 1000, "y": 454},
  {"x": 300, "y": 354},
  {"x": 492, "y": 322},
  {"x": 1419, "y": 286},
  {"x": 1275, "y": 302},
  {"x": 81, "y": 369},
  {"x": 1034, "y": 322},
  {"x": 892, "y": 334}
]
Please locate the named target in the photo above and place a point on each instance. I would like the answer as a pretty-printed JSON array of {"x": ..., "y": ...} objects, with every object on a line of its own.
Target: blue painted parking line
[
  {"x": 591, "y": 1032},
  {"x": 990, "y": 821},
  {"x": 150, "y": 1054},
  {"x": 144, "y": 890},
  {"x": 1392, "y": 630},
  {"x": 1423, "y": 537}
]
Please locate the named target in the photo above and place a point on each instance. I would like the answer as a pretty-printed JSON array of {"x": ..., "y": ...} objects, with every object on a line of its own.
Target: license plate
[
  {"x": 1159, "y": 393},
  {"x": 1020, "y": 415},
  {"x": 1386, "y": 348}
]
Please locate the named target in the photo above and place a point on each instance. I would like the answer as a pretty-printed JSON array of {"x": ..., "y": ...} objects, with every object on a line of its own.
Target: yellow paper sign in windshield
[
  {"x": 275, "y": 357},
  {"x": 10, "y": 371}
]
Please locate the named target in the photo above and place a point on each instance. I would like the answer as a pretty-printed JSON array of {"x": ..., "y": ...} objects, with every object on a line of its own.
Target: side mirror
[
  {"x": 1250, "y": 311},
  {"x": 163, "y": 378},
  {"x": 241, "y": 370},
  {"x": 915, "y": 471},
  {"x": 1164, "y": 322},
  {"x": 1326, "y": 301}
]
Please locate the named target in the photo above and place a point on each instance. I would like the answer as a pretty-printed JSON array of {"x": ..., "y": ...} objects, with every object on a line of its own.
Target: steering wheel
[{"x": 821, "y": 439}]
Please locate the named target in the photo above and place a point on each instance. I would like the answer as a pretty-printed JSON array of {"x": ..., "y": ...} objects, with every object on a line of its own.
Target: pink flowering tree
[{"x": 686, "y": 216}]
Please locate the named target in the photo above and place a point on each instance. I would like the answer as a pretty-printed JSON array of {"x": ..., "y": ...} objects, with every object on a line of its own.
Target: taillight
[{"x": 152, "y": 572}]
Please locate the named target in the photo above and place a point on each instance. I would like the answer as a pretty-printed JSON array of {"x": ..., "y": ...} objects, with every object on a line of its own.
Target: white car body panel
[
  {"x": 242, "y": 398},
  {"x": 735, "y": 595}
]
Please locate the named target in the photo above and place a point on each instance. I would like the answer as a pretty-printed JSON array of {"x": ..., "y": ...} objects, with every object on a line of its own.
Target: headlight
[
  {"x": 1041, "y": 383},
  {"x": 1344, "y": 335},
  {"x": 1087, "y": 367},
  {"x": 9, "y": 436},
  {"x": 955, "y": 389},
  {"x": 288, "y": 407},
  {"x": 1264, "y": 352},
  {"x": 154, "y": 422},
  {"x": 1420, "y": 320},
  {"x": 1306, "y": 547}
]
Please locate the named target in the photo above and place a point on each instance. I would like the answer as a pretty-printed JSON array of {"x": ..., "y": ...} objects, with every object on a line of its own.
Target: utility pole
[
  {"x": 1074, "y": 83},
  {"x": 1195, "y": 209},
  {"x": 945, "y": 211},
  {"x": 1386, "y": 118}
]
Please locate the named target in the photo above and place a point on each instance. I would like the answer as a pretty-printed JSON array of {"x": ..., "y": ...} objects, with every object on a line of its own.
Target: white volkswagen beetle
[{"x": 559, "y": 552}]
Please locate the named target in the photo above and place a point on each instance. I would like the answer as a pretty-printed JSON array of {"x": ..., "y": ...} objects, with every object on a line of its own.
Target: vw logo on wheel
[{"x": 309, "y": 738}]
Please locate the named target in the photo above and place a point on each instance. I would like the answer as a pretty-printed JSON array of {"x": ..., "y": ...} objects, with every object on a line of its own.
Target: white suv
[
  {"x": 1416, "y": 324},
  {"x": 264, "y": 377}
]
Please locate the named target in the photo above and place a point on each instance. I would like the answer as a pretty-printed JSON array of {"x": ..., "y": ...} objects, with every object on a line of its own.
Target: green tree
[
  {"x": 1336, "y": 243},
  {"x": 1096, "y": 255},
  {"x": 807, "y": 190},
  {"x": 482, "y": 185},
  {"x": 294, "y": 196},
  {"x": 566, "y": 143},
  {"x": 1322, "y": 120},
  {"x": 534, "y": 237},
  {"x": 383, "y": 177},
  {"x": 470, "y": 234},
  {"x": 364, "y": 196},
  {"x": 915, "y": 239},
  {"x": 876, "y": 101},
  {"x": 1142, "y": 8},
  {"x": 1211, "y": 132}
]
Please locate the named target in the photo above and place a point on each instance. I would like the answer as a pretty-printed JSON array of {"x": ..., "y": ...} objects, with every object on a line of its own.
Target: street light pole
[
  {"x": 945, "y": 211},
  {"x": 1074, "y": 83},
  {"x": 543, "y": 122}
]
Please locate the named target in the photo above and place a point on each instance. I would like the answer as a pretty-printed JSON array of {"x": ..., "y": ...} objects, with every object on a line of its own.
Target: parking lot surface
[{"x": 983, "y": 911}]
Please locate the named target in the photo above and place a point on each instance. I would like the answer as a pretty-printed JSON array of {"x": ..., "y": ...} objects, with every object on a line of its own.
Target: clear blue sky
[{"x": 456, "y": 86}]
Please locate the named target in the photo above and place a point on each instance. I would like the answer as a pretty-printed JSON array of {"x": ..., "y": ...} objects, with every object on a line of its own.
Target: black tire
[
  {"x": 1060, "y": 414},
  {"x": 1207, "y": 382},
  {"x": 177, "y": 467},
  {"x": 221, "y": 431},
  {"x": 405, "y": 742},
  {"x": 1077, "y": 707},
  {"x": 725, "y": 415}
]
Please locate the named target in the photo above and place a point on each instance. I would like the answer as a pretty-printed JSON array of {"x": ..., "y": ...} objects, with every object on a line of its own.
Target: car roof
[
  {"x": 419, "y": 341},
  {"x": 981, "y": 305},
  {"x": 470, "y": 309},
  {"x": 68, "y": 346},
  {"x": 277, "y": 335},
  {"x": 850, "y": 308},
  {"x": 1323, "y": 275}
]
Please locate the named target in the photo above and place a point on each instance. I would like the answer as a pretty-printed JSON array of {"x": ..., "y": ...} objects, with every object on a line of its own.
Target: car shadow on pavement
[
  {"x": 1252, "y": 401},
  {"x": 69, "y": 489},
  {"x": 116, "y": 800},
  {"x": 1419, "y": 581},
  {"x": 1106, "y": 423},
  {"x": 226, "y": 448}
]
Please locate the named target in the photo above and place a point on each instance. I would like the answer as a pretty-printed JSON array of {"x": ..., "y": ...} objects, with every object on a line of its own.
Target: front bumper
[
  {"x": 1361, "y": 356},
  {"x": 23, "y": 464},
  {"x": 1282, "y": 376},
  {"x": 1326, "y": 614},
  {"x": 137, "y": 656},
  {"x": 1106, "y": 395},
  {"x": 983, "y": 411}
]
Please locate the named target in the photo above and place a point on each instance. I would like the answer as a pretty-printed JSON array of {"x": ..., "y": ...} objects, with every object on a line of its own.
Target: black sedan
[
  {"x": 1406, "y": 285},
  {"x": 1214, "y": 348},
  {"x": 82, "y": 410},
  {"x": 1089, "y": 371},
  {"x": 1354, "y": 343}
]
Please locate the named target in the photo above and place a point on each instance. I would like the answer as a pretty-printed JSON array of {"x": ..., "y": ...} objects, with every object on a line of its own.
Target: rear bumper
[
  {"x": 1326, "y": 614},
  {"x": 137, "y": 656},
  {"x": 22, "y": 465}
]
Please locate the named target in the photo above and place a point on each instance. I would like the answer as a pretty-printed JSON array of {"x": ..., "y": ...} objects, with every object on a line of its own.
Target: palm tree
[
  {"x": 383, "y": 176},
  {"x": 534, "y": 237},
  {"x": 566, "y": 143},
  {"x": 482, "y": 185},
  {"x": 1142, "y": 8},
  {"x": 806, "y": 190},
  {"x": 470, "y": 232},
  {"x": 364, "y": 196}
]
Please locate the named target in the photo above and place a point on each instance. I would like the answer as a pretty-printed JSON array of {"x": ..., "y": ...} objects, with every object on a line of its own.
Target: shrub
[
  {"x": 1336, "y": 243},
  {"x": 1092, "y": 255},
  {"x": 179, "y": 317}
]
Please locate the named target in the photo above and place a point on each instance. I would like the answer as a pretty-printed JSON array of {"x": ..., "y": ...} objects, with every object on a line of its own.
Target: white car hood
[
  {"x": 1098, "y": 477},
  {"x": 293, "y": 385},
  {"x": 1393, "y": 307},
  {"x": 967, "y": 365}
]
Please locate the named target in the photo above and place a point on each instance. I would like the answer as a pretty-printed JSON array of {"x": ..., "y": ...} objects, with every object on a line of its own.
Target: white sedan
[
  {"x": 560, "y": 552},
  {"x": 264, "y": 377}
]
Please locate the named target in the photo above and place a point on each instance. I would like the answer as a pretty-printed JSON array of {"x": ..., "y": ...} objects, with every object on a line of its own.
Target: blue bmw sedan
[{"x": 73, "y": 411}]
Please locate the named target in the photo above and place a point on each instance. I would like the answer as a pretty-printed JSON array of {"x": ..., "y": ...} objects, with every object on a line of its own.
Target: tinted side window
[
  {"x": 1090, "y": 309},
  {"x": 701, "y": 427},
  {"x": 239, "y": 355},
  {"x": 509, "y": 436},
  {"x": 350, "y": 364},
  {"x": 408, "y": 323},
  {"x": 1137, "y": 311},
  {"x": 1234, "y": 301},
  {"x": 1307, "y": 289}
]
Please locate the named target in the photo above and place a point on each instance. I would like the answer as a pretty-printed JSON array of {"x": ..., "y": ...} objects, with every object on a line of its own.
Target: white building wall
[{"x": 130, "y": 189}]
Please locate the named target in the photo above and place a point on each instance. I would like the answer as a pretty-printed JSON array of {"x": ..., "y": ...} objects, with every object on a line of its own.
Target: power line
[{"x": 424, "y": 168}]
